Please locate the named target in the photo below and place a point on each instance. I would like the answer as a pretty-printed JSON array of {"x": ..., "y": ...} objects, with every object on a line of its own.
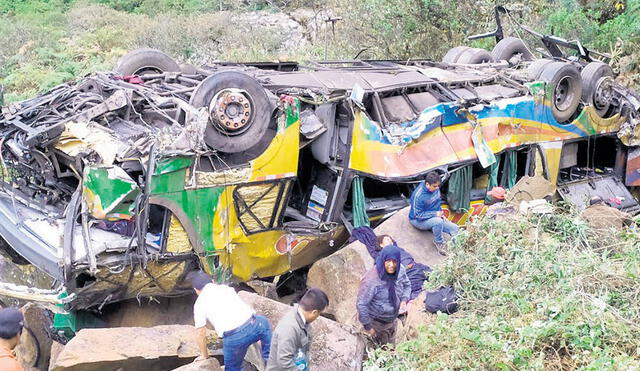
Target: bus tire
[
  {"x": 510, "y": 47},
  {"x": 475, "y": 56},
  {"x": 239, "y": 109},
  {"x": 565, "y": 80},
  {"x": 145, "y": 61},
  {"x": 535, "y": 68},
  {"x": 594, "y": 93},
  {"x": 453, "y": 54}
]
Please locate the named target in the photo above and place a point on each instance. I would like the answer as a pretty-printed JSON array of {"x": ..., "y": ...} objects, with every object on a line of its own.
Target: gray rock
[
  {"x": 56, "y": 349},
  {"x": 129, "y": 348},
  {"x": 35, "y": 344},
  {"x": 210, "y": 364}
]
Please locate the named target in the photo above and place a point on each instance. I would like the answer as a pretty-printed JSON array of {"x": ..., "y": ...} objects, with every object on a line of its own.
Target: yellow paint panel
[
  {"x": 256, "y": 257},
  {"x": 539, "y": 170},
  {"x": 281, "y": 157},
  {"x": 226, "y": 228},
  {"x": 603, "y": 125},
  {"x": 552, "y": 154}
]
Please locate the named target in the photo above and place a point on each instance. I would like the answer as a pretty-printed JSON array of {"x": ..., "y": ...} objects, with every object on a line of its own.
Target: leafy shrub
[{"x": 536, "y": 294}]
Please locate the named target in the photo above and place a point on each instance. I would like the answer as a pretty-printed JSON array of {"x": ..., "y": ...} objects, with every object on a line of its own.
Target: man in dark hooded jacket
[{"x": 384, "y": 292}]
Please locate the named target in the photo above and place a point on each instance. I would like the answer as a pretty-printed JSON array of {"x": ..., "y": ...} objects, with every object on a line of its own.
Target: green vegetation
[
  {"x": 543, "y": 292},
  {"x": 47, "y": 42}
]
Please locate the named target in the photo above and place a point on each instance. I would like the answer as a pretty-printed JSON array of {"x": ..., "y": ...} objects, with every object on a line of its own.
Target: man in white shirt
[{"x": 232, "y": 319}]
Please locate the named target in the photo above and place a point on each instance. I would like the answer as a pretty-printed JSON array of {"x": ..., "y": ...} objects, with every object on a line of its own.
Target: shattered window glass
[{"x": 260, "y": 207}]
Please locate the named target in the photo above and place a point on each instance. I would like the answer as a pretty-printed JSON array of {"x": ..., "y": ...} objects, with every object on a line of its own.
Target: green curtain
[
  {"x": 510, "y": 170},
  {"x": 360, "y": 217},
  {"x": 459, "y": 193},
  {"x": 493, "y": 176}
]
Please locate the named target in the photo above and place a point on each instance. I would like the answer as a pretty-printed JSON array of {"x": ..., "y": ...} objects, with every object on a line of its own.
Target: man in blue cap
[{"x": 11, "y": 324}]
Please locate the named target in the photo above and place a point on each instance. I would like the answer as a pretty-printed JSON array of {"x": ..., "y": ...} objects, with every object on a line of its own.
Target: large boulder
[
  {"x": 56, "y": 349},
  {"x": 35, "y": 343},
  {"x": 339, "y": 274},
  {"x": 416, "y": 317},
  {"x": 210, "y": 364},
  {"x": 333, "y": 347},
  {"x": 129, "y": 348}
]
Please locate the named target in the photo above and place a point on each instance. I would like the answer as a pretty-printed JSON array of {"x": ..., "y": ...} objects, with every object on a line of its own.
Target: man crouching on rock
[
  {"x": 11, "y": 324},
  {"x": 232, "y": 319},
  {"x": 292, "y": 336}
]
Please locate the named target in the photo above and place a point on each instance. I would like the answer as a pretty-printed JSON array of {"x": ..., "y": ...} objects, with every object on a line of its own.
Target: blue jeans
[
  {"x": 236, "y": 342},
  {"x": 438, "y": 225}
]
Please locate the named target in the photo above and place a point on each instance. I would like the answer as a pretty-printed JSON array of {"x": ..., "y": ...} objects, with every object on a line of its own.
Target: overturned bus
[{"x": 120, "y": 184}]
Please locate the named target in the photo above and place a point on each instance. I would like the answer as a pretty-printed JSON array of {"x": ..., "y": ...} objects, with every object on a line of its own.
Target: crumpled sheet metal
[
  {"x": 159, "y": 278},
  {"x": 221, "y": 177},
  {"x": 83, "y": 137},
  {"x": 629, "y": 132},
  {"x": 190, "y": 137},
  {"x": 178, "y": 240},
  {"x": 109, "y": 193}
]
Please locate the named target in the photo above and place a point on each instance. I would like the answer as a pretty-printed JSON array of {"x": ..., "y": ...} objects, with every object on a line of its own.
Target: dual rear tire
[
  {"x": 239, "y": 107},
  {"x": 506, "y": 49},
  {"x": 467, "y": 55},
  {"x": 571, "y": 86}
]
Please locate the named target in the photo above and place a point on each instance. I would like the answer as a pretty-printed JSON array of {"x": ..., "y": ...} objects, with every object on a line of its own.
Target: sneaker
[{"x": 441, "y": 248}]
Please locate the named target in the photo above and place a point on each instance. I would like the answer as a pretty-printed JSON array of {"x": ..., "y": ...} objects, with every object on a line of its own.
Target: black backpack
[{"x": 442, "y": 300}]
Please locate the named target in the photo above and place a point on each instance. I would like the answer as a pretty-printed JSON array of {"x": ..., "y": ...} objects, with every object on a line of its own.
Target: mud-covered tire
[
  {"x": 145, "y": 61},
  {"x": 257, "y": 123},
  {"x": 593, "y": 74},
  {"x": 536, "y": 67},
  {"x": 453, "y": 54},
  {"x": 509, "y": 47},
  {"x": 475, "y": 56},
  {"x": 565, "y": 80}
]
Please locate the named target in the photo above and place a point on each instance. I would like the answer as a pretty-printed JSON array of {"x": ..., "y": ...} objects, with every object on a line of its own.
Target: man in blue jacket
[{"x": 426, "y": 211}]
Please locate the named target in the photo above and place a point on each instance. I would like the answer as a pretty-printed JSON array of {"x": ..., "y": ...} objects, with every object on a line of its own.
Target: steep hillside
[
  {"x": 539, "y": 292},
  {"x": 46, "y": 42}
]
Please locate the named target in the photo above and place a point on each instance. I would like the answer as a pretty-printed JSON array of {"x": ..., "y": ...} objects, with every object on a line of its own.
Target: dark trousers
[
  {"x": 385, "y": 332},
  {"x": 236, "y": 342}
]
